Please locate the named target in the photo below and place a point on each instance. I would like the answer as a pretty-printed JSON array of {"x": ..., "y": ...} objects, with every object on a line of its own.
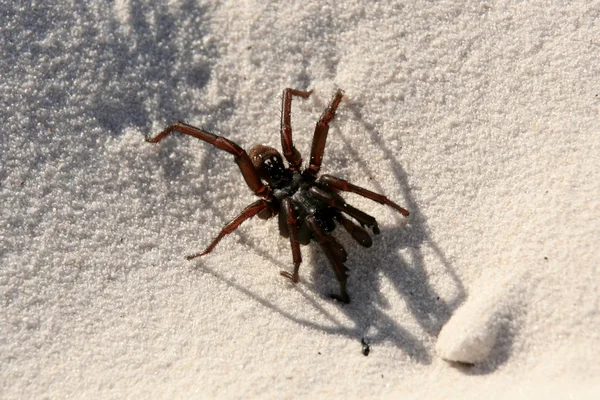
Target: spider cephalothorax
[
  {"x": 308, "y": 207},
  {"x": 269, "y": 164}
]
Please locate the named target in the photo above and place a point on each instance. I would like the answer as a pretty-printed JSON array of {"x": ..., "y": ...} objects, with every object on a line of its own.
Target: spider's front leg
[
  {"x": 290, "y": 153},
  {"x": 260, "y": 206},
  {"x": 241, "y": 157},
  {"x": 320, "y": 136}
]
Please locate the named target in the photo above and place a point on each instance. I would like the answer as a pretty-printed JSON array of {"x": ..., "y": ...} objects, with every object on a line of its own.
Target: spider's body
[{"x": 308, "y": 207}]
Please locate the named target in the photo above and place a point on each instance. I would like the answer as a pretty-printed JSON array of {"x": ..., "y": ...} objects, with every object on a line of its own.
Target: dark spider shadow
[
  {"x": 400, "y": 337},
  {"x": 367, "y": 307},
  {"x": 123, "y": 68},
  {"x": 405, "y": 270},
  {"x": 121, "y": 103}
]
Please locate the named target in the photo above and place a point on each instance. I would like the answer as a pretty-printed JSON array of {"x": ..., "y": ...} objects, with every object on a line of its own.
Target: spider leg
[
  {"x": 241, "y": 157},
  {"x": 292, "y": 155},
  {"x": 320, "y": 136},
  {"x": 346, "y": 186},
  {"x": 249, "y": 212},
  {"x": 336, "y": 255},
  {"x": 339, "y": 203},
  {"x": 357, "y": 232},
  {"x": 291, "y": 220}
]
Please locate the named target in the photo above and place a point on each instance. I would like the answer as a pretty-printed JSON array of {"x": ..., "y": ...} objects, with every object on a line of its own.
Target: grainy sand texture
[{"x": 480, "y": 117}]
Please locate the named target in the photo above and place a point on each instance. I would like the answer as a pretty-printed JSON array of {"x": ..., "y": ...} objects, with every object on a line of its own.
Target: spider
[{"x": 307, "y": 207}]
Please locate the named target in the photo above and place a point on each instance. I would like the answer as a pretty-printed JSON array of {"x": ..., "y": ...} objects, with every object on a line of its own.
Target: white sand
[{"x": 481, "y": 118}]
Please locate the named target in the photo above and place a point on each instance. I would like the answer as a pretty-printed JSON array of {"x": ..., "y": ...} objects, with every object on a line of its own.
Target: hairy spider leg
[
  {"x": 346, "y": 186},
  {"x": 340, "y": 204},
  {"x": 320, "y": 136},
  {"x": 292, "y": 222},
  {"x": 336, "y": 254},
  {"x": 241, "y": 157},
  {"x": 290, "y": 153},
  {"x": 249, "y": 212}
]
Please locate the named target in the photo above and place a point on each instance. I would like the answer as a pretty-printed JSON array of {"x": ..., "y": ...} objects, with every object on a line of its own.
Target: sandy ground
[{"x": 481, "y": 118}]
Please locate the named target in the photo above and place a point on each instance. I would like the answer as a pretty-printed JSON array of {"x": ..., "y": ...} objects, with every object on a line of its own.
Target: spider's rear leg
[
  {"x": 260, "y": 206},
  {"x": 287, "y": 211},
  {"x": 357, "y": 232},
  {"x": 346, "y": 186},
  {"x": 336, "y": 201},
  {"x": 335, "y": 254},
  {"x": 241, "y": 157}
]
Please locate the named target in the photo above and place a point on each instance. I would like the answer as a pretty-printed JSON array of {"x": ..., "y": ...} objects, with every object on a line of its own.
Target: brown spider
[{"x": 308, "y": 207}]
